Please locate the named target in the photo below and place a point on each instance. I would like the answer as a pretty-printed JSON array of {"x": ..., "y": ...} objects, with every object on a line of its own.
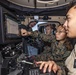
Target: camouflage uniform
[
  {"x": 58, "y": 51},
  {"x": 47, "y": 45}
]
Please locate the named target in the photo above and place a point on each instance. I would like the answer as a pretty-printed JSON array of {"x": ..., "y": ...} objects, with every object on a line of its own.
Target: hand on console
[{"x": 48, "y": 66}]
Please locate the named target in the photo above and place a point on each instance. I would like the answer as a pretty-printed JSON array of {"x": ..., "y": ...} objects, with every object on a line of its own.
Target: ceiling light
[
  {"x": 51, "y": 2},
  {"x": 47, "y": 1}
]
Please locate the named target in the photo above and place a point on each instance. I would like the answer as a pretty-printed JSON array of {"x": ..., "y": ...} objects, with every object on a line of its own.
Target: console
[{"x": 21, "y": 65}]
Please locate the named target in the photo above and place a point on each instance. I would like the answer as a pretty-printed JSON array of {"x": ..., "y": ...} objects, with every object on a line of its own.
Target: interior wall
[{"x": 28, "y": 19}]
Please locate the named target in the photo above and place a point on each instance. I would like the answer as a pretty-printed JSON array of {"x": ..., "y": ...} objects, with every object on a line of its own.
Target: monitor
[
  {"x": 9, "y": 27},
  {"x": 12, "y": 27}
]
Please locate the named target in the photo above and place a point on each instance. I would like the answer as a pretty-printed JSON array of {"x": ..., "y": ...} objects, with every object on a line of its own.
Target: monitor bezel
[{"x": 3, "y": 38}]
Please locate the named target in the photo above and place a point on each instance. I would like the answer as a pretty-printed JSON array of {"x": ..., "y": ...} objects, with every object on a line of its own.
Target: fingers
[
  {"x": 55, "y": 67},
  {"x": 38, "y": 63},
  {"x": 45, "y": 65},
  {"x": 41, "y": 63},
  {"x": 50, "y": 65}
]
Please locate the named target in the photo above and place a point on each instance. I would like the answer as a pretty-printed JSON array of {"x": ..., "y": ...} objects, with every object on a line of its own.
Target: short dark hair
[
  {"x": 33, "y": 21},
  {"x": 48, "y": 24},
  {"x": 22, "y": 26},
  {"x": 71, "y": 4}
]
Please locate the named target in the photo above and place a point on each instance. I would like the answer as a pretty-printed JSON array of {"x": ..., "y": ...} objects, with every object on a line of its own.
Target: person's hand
[
  {"x": 48, "y": 65},
  {"x": 24, "y": 32}
]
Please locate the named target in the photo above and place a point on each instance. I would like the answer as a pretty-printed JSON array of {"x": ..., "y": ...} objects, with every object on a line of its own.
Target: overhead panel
[{"x": 40, "y": 3}]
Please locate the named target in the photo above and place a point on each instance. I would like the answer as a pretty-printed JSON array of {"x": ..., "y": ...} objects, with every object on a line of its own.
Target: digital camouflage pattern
[{"x": 57, "y": 51}]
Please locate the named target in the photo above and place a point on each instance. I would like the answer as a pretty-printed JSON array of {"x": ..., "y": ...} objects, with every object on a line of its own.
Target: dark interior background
[{"x": 57, "y": 11}]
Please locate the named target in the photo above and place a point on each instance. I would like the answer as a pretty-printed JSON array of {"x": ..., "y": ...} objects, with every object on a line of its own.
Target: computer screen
[{"x": 11, "y": 26}]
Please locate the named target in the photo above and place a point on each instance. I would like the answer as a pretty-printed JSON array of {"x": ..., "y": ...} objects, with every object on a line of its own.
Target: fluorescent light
[{"x": 50, "y": 1}]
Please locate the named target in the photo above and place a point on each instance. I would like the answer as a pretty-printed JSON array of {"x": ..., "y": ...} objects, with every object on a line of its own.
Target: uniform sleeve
[
  {"x": 60, "y": 54},
  {"x": 44, "y": 37},
  {"x": 41, "y": 57}
]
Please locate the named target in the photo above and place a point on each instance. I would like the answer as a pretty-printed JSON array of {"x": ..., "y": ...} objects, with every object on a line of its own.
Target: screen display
[
  {"x": 12, "y": 27},
  {"x": 9, "y": 27}
]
